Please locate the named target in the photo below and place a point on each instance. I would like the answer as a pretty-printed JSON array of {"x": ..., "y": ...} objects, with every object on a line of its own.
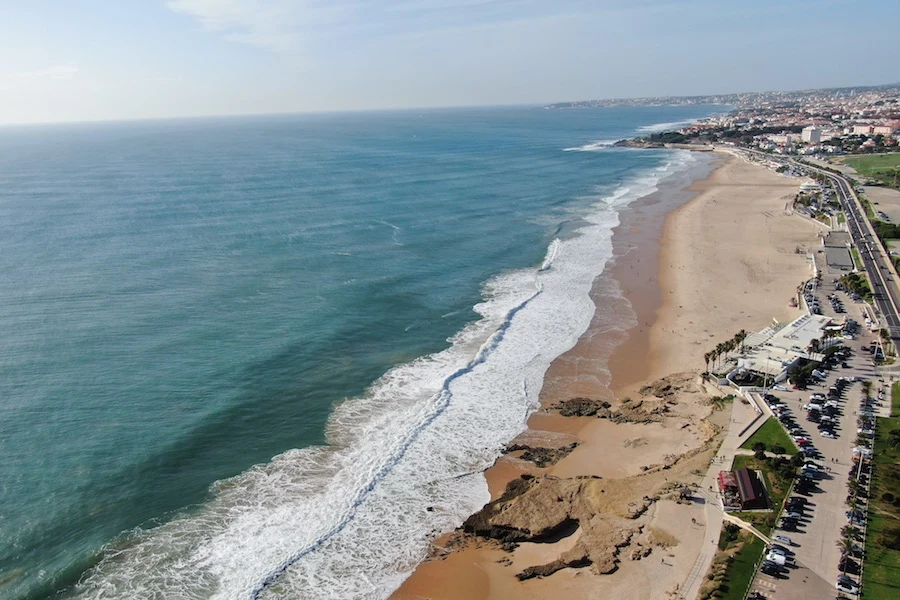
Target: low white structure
[
  {"x": 772, "y": 351},
  {"x": 810, "y": 187}
]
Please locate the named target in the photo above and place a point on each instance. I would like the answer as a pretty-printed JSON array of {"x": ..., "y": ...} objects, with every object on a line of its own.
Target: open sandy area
[{"x": 726, "y": 260}]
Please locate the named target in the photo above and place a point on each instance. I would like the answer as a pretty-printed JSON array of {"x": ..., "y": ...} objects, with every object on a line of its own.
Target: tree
[
  {"x": 894, "y": 439},
  {"x": 846, "y": 546},
  {"x": 867, "y": 388},
  {"x": 759, "y": 447},
  {"x": 740, "y": 337},
  {"x": 814, "y": 346}
]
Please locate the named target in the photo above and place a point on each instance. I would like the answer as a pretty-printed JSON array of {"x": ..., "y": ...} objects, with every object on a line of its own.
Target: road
[{"x": 877, "y": 263}]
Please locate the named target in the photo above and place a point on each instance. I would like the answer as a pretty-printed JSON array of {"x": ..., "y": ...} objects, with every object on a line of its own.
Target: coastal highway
[{"x": 876, "y": 261}]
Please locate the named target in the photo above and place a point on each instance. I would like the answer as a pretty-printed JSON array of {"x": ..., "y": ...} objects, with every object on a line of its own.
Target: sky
[{"x": 86, "y": 60}]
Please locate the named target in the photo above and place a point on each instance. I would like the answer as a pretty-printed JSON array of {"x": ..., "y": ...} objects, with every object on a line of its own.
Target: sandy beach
[{"x": 601, "y": 506}]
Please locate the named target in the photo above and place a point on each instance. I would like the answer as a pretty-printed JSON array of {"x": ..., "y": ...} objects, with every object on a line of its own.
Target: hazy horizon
[{"x": 210, "y": 58}]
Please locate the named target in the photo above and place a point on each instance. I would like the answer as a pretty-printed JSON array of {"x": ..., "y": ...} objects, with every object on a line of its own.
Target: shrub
[{"x": 889, "y": 539}]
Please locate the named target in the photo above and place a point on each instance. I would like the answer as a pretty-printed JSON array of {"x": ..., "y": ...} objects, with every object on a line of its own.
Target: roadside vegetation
[
  {"x": 772, "y": 438},
  {"x": 858, "y": 283},
  {"x": 881, "y": 574},
  {"x": 733, "y": 567},
  {"x": 857, "y": 259}
]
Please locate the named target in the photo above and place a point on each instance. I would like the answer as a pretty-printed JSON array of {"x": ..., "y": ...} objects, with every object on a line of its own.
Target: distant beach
[{"x": 696, "y": 264}]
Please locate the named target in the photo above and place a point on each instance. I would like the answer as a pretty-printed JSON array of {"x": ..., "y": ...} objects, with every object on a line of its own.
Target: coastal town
[{"x": 845, "y": 121}]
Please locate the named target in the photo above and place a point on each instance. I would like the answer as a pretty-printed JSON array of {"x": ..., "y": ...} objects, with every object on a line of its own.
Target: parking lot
[{"x": 809, "y": 540}]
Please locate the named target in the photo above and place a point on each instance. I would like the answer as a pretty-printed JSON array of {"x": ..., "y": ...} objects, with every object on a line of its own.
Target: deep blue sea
[{"x": 269, "y": 357}]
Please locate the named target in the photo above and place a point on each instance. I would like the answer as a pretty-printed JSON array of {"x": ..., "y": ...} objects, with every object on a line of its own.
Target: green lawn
[
  {"x": 883, "y": 167},
  {"x": 740, "y": 572},
  {"x": 771, "y": 434},
  {"x": 764, "y": 521},
  {"x": 842, "y": 218},
  {"x": 881, "y": 574},
  {"x": 857, "y": 259}
]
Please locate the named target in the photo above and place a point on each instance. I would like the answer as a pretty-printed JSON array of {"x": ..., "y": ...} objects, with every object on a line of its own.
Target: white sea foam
[
  {"x": 552, "y": 252},
  {"x": 657, "y": 127},
  {"x": 404, "y": 463},
  {"x": 592, "y": 146}
]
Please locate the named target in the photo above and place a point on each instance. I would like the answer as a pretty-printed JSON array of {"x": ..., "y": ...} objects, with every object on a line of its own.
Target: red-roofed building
[{"x": 751, "y": 489}]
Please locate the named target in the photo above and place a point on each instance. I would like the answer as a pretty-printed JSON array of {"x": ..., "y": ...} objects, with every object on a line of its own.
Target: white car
[
  {"x": 783, "y": 539},
  {"x": 830, "y": 435}
]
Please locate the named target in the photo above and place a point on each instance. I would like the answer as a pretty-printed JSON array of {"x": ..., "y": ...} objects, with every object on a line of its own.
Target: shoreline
[{"x": 670, "y": 276}]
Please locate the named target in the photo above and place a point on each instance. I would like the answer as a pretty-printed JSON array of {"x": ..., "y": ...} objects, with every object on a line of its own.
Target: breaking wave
[{"x": 404, "y": 461}]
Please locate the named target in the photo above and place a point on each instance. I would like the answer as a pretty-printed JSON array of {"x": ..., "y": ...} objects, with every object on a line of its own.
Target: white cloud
[
  {"x": 288, "y": 26},
  {"x": 56, "y": 72},
  {"x": 278, "y": 25}
]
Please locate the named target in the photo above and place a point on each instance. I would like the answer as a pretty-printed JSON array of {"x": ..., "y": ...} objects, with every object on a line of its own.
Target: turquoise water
[{"x": 183, "y": 300}]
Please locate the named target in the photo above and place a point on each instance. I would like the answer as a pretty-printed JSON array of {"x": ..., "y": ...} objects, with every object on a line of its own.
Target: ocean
[{"x": 270, "y": 357}]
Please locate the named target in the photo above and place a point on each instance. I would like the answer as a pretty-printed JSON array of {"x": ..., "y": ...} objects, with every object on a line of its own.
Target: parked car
[
  {"x": 847, "y": 585},
  {"x": 782, "y": 549}
]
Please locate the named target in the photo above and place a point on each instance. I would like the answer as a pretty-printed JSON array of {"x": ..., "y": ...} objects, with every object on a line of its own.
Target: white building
[
  {"x": 774, "y": 350},
  {"x": 811, "y": 135}
]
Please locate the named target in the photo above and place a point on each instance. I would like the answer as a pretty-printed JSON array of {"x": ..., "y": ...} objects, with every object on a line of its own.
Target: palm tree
[
  {"x": 813, "y": 347},
  {"x": 706, "y": 358},
  {"x": 867, "y": 387},
  {"x": 846, "y": 545},
  {"x": 849, "y": 531},
  {"x": 740, "y": 337}
]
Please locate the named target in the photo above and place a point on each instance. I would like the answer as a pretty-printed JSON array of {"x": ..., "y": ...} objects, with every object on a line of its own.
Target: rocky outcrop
[
  {"x": 590, "y": 407},
  {"x": 526, "y": 512},
  {"x": 582, "y": 407},
  {"x": 540, "y": 456}
]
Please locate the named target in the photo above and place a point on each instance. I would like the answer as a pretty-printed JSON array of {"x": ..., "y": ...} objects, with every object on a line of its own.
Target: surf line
[{"x": 445, "y": 397}]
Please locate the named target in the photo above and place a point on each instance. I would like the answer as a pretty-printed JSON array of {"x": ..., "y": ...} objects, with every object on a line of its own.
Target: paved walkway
[
  {"x": 747, "y": 526},
  {"x": 741, "y": 417}
]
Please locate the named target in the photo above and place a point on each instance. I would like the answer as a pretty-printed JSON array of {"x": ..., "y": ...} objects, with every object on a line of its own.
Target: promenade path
[{"x": 739, "y": 431}]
